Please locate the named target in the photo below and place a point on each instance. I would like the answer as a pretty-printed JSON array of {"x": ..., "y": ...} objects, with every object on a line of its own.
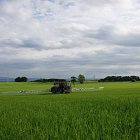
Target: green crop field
[{"x": 112, "y": 113}]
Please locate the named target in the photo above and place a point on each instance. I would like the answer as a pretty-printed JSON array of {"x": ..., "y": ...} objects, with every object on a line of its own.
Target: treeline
[
  {"x": 120, "y": 78},
  {"x": 73, "y": 79},
  {"x": 21, "y": 79},
  {"x": 50, "y": 80}
]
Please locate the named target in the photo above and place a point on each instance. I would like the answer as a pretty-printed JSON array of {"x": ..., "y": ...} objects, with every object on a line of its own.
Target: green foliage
[
  {"x": 120, "y": 78},
  {"x": 81, "y": 78},
  {"x": 21, "y": 79},
  {"x": 133, "y": 80},
  {"x": 73, "y": 79},
  {"x": 17, "y": 86},
  {"x": 109, "y": 114}
]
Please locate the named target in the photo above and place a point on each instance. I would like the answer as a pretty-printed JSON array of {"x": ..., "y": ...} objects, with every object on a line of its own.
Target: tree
[
  {"x": 24, "y": 79},
  {"x": 17, "y": 79},
  {"x": 81, "y": 78},
  {"x": 73, "y": 79},
  {"x": 21, "y": 79}
]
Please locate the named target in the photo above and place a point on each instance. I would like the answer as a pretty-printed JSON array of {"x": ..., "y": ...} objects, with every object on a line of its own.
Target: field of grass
[
  {"x": 16, "y": 86},
  {"x": 109, "y": 114}
]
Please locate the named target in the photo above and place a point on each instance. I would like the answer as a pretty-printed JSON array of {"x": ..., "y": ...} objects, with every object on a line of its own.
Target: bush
[
  {"x": 21, "y": 79},
  {"x": 133, "y": 80}
]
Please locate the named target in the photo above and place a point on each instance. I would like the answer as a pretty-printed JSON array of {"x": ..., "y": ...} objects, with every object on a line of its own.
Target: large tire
[
  {"x": 60, "y": 90},
  {"x": 53, "y": 90}
]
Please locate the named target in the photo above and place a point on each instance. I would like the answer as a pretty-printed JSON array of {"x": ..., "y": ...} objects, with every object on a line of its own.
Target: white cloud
[{"x": 89, "y": 37}]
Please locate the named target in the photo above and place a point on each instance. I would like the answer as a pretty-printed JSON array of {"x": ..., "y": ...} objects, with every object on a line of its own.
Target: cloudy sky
[{"x": 62, "y": 38}]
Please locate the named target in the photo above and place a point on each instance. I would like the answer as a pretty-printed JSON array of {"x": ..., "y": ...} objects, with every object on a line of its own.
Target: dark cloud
[
  {"x": 104, "y": 33},
  {"x": 130, "y": 40},
  {"x": 107, "y": 34},
  {"x": 21, "y": 65},
  {"x": 31, "y": 43}
]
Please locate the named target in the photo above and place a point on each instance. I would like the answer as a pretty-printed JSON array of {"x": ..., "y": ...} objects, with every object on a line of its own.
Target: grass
[
  {"x": 109, "y": 114},
  {"x": 16, "y": 86}
]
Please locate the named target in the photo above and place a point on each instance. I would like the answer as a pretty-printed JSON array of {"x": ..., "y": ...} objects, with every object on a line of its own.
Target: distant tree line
[
  {"x": 80, "y": 79},
  {"x": 21, "y": 79},
  {"x": 120, "y": 78},
  {"x": 50, "y": 80}
]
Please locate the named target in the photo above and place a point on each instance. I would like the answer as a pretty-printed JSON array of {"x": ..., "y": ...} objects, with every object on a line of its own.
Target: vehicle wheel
[
  {"x": 53, "y": 90},
  {"x": 60, "y": 90}
]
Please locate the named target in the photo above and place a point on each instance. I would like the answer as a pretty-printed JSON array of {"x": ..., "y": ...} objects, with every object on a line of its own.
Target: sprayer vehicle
[{"x": 61, "y": 87}]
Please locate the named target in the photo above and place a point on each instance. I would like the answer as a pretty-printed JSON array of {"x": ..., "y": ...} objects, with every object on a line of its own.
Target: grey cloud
[
  {"x": 19, "y": 65},
  {"x": 99, "y": 59},
  {"x": 132, "y": 40},
  {"x": 101, "y": 64},
  {"x": 25, "y": 43},
  {"x": 31, "y": 43},
  {"x": 69, "y": 26},
  {"x": 106, "y": 34},
  {"x": 103, "y": 33},
  {"x": 96, "y": 2}
]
